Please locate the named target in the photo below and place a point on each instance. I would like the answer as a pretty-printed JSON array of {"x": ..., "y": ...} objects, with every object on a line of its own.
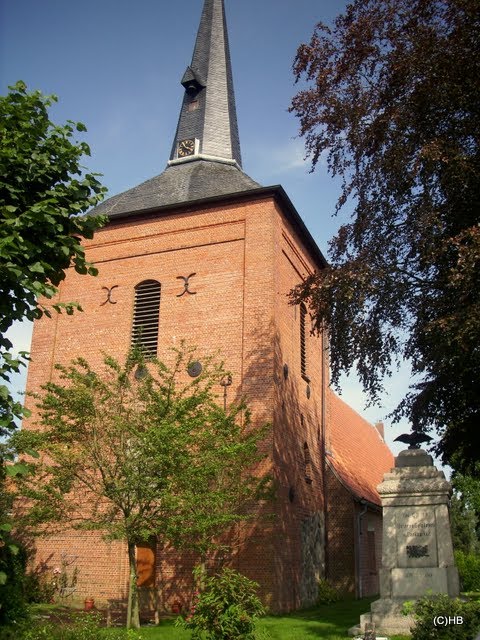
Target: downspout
[
  {"x": 359, "y": 533},
  {"x": 324, "y": 453}
]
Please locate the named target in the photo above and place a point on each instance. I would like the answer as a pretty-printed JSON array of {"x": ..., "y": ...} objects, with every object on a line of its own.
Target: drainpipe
[
  {"x": 360, "y": 515},
  {"x": 323, "y": 449}
]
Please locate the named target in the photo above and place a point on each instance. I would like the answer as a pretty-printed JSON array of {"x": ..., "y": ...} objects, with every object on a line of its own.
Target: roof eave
[
  {"x": 276, "y": 191},
  {"x": 355, "y": 495}
]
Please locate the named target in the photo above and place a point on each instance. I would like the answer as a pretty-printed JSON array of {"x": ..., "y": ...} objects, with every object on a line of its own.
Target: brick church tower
[{"x": 209, "y": 256}]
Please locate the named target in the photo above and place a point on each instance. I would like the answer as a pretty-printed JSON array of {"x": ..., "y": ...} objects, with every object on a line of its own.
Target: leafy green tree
[
  {"x": 467, "y": 492},
  {"x": 140, "y": 451},
  {"x": 464, "y": 524},
  {"x": 390, "y": 101},
  {"x": 43, "y": 191}
]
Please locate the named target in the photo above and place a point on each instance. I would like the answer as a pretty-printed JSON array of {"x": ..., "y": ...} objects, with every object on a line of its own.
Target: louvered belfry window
[
  {"x": 146, "y": 312},
  {"x": 303, "y": 343}
]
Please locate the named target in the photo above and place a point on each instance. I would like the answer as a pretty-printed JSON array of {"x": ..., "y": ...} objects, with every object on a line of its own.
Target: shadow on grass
[{"x": 330, "y": 621}]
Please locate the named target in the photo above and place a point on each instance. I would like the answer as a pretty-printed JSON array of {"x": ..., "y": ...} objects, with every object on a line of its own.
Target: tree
[
  {"x": 137, "y": 452},
  {"x": 467, "y": 495},
  {"x": 464, "y": 522},
  {"x": 391, "y": 102},
  {"x": 43, "y": 191}
]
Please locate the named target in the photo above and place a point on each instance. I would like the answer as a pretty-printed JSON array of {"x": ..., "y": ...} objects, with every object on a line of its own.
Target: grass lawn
[{"x": 329, "y": 622}]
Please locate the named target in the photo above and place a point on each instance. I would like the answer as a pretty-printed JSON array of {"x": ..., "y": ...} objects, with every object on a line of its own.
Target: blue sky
[{"x": 116, "y": 66}]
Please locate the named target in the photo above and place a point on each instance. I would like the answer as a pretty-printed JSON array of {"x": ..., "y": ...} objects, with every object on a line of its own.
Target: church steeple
[
  {"x": 207, "y": 127},
  {"x": 205, "y": 161}
]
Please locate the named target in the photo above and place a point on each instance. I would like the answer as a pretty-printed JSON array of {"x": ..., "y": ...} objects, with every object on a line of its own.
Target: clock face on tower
[{"x": 186, "y": 148}]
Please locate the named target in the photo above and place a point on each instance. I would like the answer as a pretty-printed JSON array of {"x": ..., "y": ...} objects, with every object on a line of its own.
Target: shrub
[
  {"x": 39, "y": 588},
  {"x": 86, "y": 626},
  {"x": 426, "y": 609},
  {"x": 50, "y": 585},
  {"x": 326, "y": 593},
  {"x": 13, "y": 560},
  {"x": 468, "y": 565},
  {"x": 225, "y": 609}
]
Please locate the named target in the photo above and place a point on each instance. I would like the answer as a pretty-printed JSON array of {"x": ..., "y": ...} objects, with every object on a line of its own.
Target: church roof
[
  {"x": 205, "y": 160},
  {"x": 179, "y": 184},
  {"x": 357, "y": 453}
]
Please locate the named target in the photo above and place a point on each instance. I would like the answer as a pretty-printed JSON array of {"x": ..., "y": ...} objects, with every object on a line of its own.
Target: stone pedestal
[{"x": 417, "y": 544}]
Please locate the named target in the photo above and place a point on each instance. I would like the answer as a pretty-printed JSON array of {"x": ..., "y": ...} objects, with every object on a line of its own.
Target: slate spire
[{"x": 207, "y": 127}]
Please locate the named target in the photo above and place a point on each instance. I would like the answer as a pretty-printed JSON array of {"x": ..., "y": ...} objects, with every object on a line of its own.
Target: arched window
[
  {"x": 146, "y": 313},
  {"x": 303, "y": 342}
]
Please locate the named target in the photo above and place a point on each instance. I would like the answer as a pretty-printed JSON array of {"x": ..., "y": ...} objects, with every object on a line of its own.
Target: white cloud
[
  {"x": 268, "y": 162},
  {"x": 20, "y": 334}
]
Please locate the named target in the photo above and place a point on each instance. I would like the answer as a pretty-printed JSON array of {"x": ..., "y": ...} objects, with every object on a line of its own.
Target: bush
[
  {"x": 49, "y": 585},
  {"x": 426, "y": 609},
  {"x": 226, "y": 608},
  {"x": 13, "y": 560},
  {"x": 468, "y": 565},
  {"x": 326, "y": 593},
  {"x": 39, "y": 588},
  {"x": 86, "y": 626}
]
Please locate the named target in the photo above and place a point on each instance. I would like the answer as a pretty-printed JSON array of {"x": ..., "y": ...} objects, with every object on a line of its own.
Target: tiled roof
[{"x": 359, "y": 455}]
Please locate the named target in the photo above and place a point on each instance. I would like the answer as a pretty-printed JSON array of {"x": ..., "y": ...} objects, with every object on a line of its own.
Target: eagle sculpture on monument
[{"x": 414, "y": 439}]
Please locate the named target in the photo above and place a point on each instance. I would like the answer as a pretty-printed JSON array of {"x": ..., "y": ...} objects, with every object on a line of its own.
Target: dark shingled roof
[
  {"x": 208, "y": 111},
  {"x": 179, "y": 184}
]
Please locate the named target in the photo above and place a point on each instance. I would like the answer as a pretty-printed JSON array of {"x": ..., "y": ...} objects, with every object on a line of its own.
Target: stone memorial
[{"x": 417, "y": 556}]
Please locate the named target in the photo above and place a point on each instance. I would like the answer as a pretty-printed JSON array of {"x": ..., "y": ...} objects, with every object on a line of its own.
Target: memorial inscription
[
  {"x": 416, "y": 538},
  {"x": 417, "y": 550}
]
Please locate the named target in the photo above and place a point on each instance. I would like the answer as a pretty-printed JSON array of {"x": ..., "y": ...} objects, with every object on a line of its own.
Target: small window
[
  {"x": 307, "y": 461},
  {"x": 303, "y": 342},
  {"x": 146, "y": 312}
]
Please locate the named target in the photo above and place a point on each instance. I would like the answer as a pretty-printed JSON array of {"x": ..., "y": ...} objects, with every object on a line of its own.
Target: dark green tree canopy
[
  {"x": 391, "y": 100},
  {"x": 43, "y": 191}
]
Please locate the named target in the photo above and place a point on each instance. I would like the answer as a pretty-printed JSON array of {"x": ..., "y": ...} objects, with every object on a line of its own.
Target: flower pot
[{"x": 89, "y": 604}]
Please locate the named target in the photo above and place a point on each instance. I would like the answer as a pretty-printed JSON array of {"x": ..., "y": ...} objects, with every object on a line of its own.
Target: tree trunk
[{"x": 133, "y": 615}]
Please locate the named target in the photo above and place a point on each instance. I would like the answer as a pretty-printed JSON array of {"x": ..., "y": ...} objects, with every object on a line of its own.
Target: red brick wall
[
  {"x": 297, "y": 421},
  {"x": 370, "y": 553},
  {"x": 231, "y": 250},
  {"x": 354, "y": 551},
  {"x": 246, "y": 258},
  {"x": 340, "y": 535},
  {"x": 102, "y": 567}
]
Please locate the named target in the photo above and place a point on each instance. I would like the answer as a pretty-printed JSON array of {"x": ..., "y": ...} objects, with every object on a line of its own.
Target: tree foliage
[
  {"x": 464, "y": 523},
  {"x": 391, "y": 101},
  {"x": 43, "y": 189},
  {"x": 466, "y": 510},
  {"x": 140, "y": 456}
]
